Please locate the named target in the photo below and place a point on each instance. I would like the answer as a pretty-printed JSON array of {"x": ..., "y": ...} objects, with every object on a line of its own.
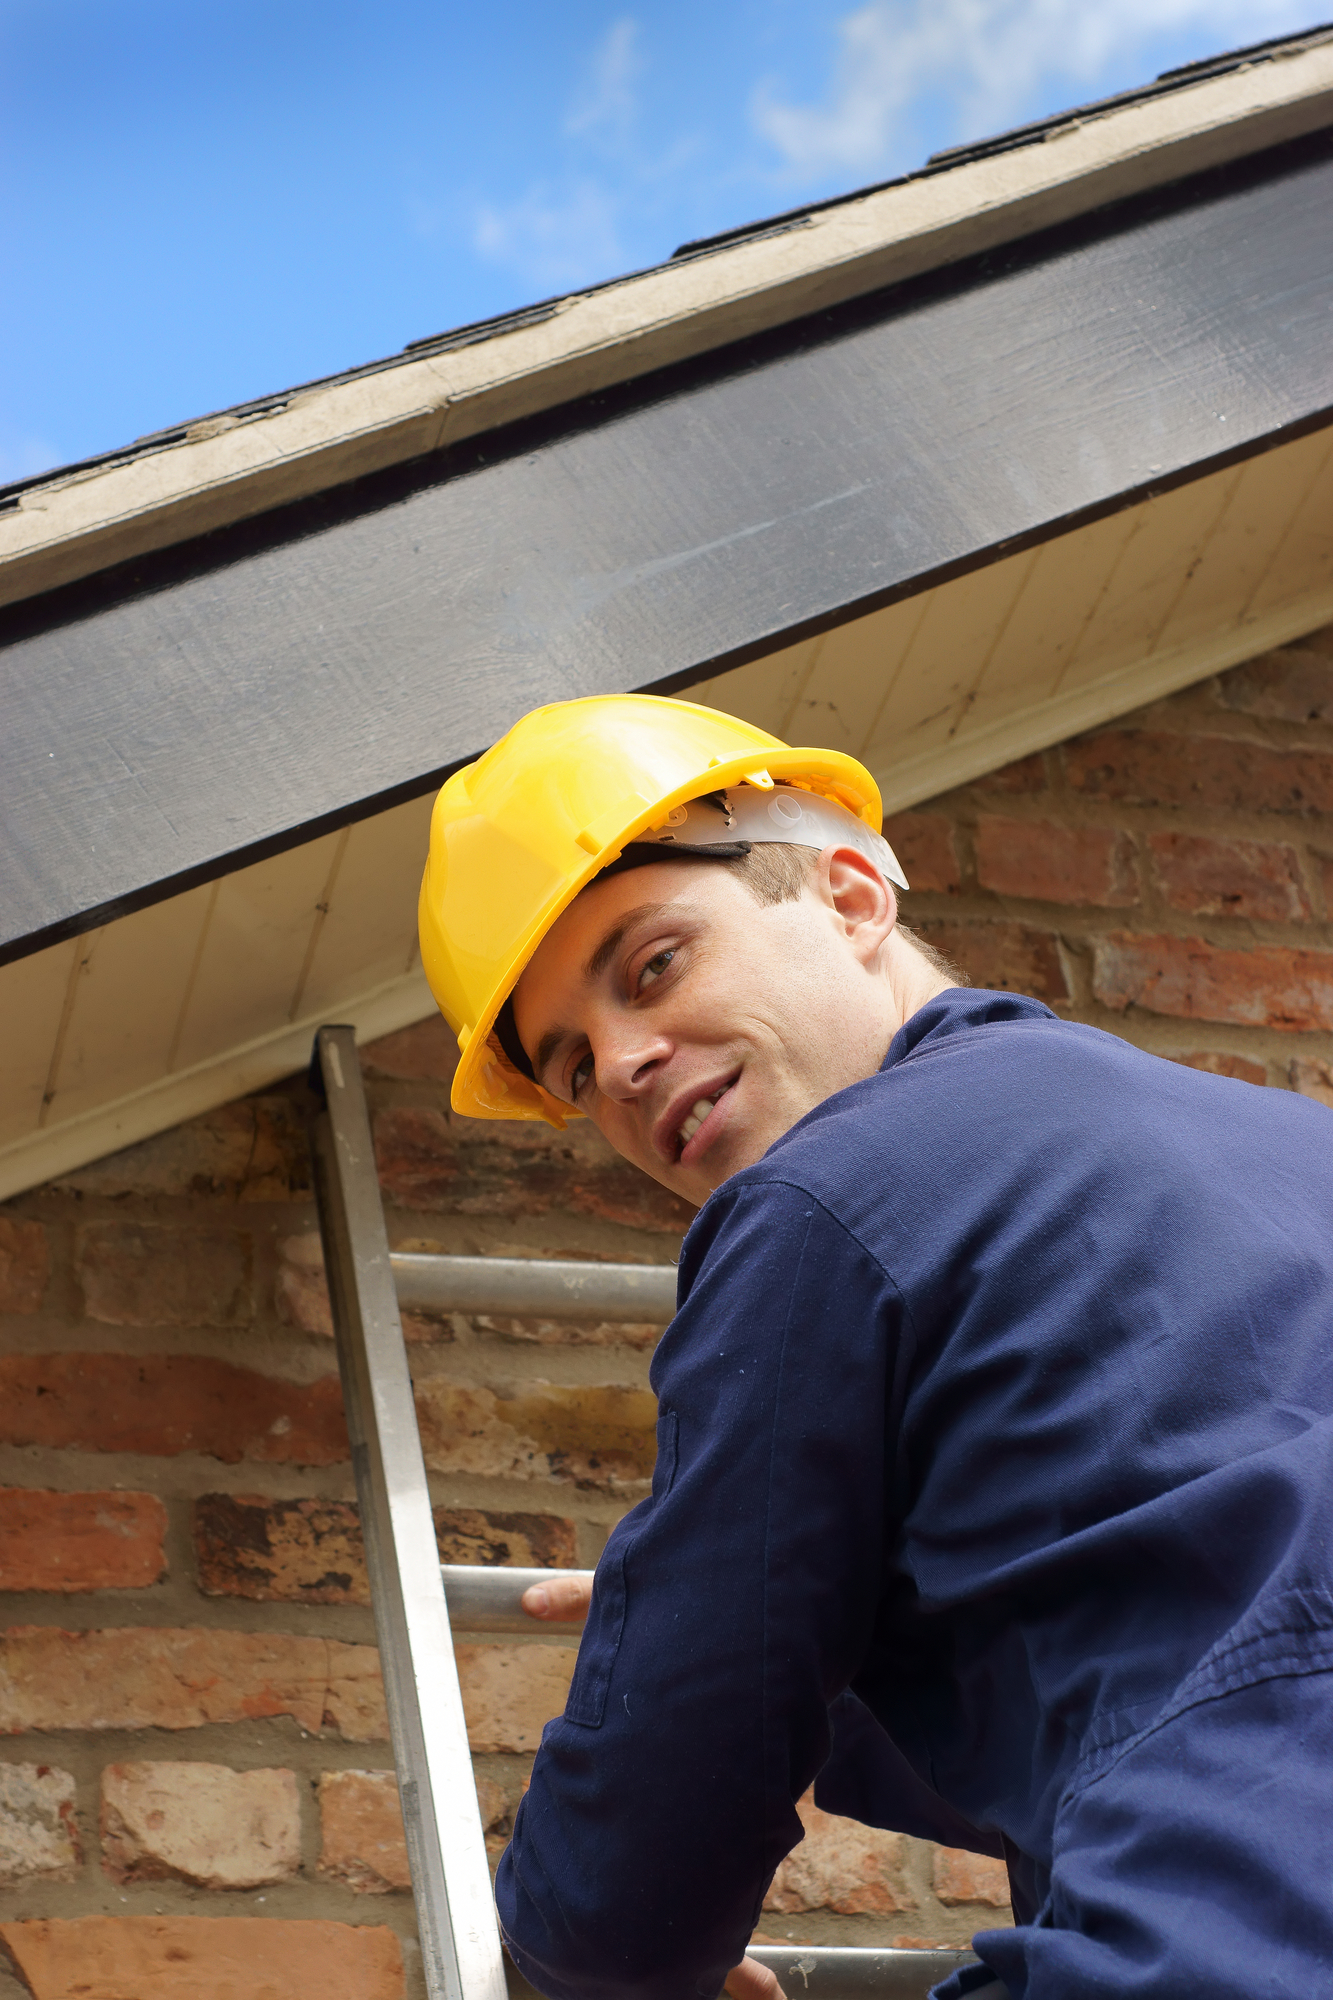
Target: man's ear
[{"x": 859, "y": 897}]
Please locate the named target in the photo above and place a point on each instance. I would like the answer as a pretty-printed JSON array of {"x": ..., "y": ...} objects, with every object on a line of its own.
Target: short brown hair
[{"x": 776, "y": 871}]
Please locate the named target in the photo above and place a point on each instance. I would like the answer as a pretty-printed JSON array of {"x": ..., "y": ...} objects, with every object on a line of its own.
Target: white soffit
[
  {"x": 230, "y": 466},
  {"x": 165, "y": 1013}
]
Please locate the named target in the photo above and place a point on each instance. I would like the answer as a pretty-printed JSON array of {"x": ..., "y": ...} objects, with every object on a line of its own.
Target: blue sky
[{"x": 208, "y": 200}]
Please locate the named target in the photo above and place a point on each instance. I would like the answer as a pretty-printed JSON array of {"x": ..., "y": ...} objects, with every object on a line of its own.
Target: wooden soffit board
[{"x": 189, "y": 1002}]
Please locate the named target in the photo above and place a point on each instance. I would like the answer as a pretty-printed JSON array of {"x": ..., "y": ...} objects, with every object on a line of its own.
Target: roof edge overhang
[{"x": 235, "y": 465}]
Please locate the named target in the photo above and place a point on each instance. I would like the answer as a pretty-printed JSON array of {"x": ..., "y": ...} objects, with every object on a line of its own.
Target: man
[{"x": 995, "y": 1465}]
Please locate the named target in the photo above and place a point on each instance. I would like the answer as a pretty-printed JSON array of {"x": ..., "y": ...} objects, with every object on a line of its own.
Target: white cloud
[
  {"x": 985, "y": 60},
  {"x": 607, "y": 105},
  {"x": 563, "y": 231},
  {"x": 558, "y": 239}
]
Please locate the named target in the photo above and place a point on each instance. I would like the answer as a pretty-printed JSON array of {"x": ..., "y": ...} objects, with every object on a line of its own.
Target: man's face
[{"x": 694, "y": 1026}]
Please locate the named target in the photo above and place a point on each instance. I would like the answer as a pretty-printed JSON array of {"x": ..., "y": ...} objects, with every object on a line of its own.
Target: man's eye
[
  {"x": 655, "y": 967},
  {"x": 582, "y": 1074}
]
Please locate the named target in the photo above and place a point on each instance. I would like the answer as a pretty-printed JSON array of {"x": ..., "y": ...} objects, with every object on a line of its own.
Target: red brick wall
[{"x": 196, "y": 1777}]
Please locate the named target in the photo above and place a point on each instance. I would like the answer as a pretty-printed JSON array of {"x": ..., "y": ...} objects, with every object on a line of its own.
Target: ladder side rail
[{"x": 446, "y": 1846}]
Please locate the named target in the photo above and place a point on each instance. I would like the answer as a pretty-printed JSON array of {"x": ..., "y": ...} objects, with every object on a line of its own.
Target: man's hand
[
  {"x": 563, "y": 1597},
  {"x": 752, "y": 1981}
]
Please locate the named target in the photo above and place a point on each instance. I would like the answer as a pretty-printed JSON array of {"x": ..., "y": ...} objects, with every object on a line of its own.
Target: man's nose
[{"x": 627, "y": 1057}]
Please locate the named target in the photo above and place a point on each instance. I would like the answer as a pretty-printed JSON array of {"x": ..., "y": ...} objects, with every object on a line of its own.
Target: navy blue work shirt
[{"x": 994, "y": 1487}]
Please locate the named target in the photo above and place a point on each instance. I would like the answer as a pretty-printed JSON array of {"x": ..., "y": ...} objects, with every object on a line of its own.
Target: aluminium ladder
[{"x": 417, "y": 1600}]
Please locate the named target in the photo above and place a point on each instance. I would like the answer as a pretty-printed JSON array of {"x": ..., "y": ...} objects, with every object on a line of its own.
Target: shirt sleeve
[{"x": 729, "y": 1610}]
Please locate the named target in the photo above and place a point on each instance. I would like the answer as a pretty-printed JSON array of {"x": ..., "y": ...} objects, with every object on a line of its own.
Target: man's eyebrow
[
  {"x": 611, "y": 943},
  {"x": 546, "y": 1048}
]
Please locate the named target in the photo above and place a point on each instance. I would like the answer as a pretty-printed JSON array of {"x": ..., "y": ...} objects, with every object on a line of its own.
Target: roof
[{"x": 938, "y": 473}]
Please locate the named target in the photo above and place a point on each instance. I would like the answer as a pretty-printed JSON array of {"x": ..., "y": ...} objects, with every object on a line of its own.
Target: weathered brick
[
  {"x": 25, "y": 1265},
  {"x": 1223, "y": 1065},
  {"x": 510, "y": 1692},
  {"x": 164, "y": 1404},
  {"x": 1223, "y": 773},
  {"x": 253, "y": 1150},
  {"x": 1210, "y": 876},
  {"x": 148, "y": 1677},
  {"x": 39, "y": 1827},
  {"x": 1026, "y": 774},
  {"x": 144, "y": 1274},
  {"x": 1054, "y": 863},
  {"x": 1313, "y": 1078},
  {"x": 427, "y": 1052},
  {"x": 1294, "y": 684},
  {"x": 80, "y": 1541},
  {"x": 843, "y": 1866},
  {"x": 301, "y": 1294},
  {"x": 416, "y": 1156},
  {"x": 204, "y": 1958},
  {"x": 961, "y": 1877},
  {"x": 362, "y": 1843},
  {"x": 502, "y": 1167},
  {"x": 311, "y": 1551},
  {"x": 923, "y": 842},
  {"x": 1268, "y": 986},
  {"x": 594, "y": 1436},
  {"x": 1014, "y": 957},
  {"x": 200, "y": 1823},
  {"x": 1325, "y": 866}
]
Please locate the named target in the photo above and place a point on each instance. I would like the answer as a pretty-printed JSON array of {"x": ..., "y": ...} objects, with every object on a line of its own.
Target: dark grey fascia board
[{"x": 224, "y": 700}]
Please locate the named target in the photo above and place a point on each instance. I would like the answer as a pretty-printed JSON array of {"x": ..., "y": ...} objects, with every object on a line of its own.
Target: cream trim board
[
  {"x": 227, "y": 469},
  {"x": 58, "y": 1149},
  {"x": 970, "y": 756}
]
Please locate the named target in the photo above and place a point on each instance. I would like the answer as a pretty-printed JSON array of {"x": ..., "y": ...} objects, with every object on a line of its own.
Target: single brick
[
  {"x": 144, "y": 1274},
  {"x": 1294, "y": 684},
  {"x": 594, "y": 1436},
  {"x": 1014, "y": 957},
  {"x": 254, "y": 1150},
  {"x": 923, "y": 842},
  {"x": 843, "y": 1866},
  {"x": 163, "y": 1404},
  {"x": 148, "y": 1677},
  {"x": 1269, "y": 986},
  {"x": 511, "y": 1168},
  {"x": 1221, "y": 1065},
  {"x": 1026, "y": 774},
  {"x": 1214, "y": 877},
  {"x": 961, "y": 1877},
  {"x": 80, "y": 1541},
  {"x": 510, "y": 1692},
  {"x": 311, "y": 1551},
  {"x": 39, "y": 1827},
  {"x": 301, "y": 1294},
  {"x": 1313, "y": 1079},
  {"x": 204, "y": 1958},
  {"x": 1054, "y": 863},
  {"x": 424, "y": 1053},
  {"x": 416, "y": 1157},
  {"x": 1152, "y": 768},
  {"x": 200, "y": 1823},
  {"x": 362, "y": 1843},
  {"x": 25, "y": 1264}
]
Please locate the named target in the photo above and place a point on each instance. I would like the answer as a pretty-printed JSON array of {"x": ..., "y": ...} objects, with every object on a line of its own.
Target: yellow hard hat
[{"x": 515, "y": 836}]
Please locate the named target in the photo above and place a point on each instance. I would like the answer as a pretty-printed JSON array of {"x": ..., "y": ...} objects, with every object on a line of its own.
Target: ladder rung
[
  {"x": 546, "y": 1288},
  {"x": 485, "y": 1598},
  {"x": 844, "y": 1972}
]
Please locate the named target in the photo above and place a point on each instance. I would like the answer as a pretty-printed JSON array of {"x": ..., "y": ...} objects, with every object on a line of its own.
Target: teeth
[{"x": 698, "y": 1112}]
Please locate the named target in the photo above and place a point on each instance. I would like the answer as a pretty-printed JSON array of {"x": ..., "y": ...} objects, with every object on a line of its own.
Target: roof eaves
[{"x": 260, "y": 455}]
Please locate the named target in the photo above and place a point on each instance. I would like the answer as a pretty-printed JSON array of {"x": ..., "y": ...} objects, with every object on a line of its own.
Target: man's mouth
[{"x": 698, "y": 1112}]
